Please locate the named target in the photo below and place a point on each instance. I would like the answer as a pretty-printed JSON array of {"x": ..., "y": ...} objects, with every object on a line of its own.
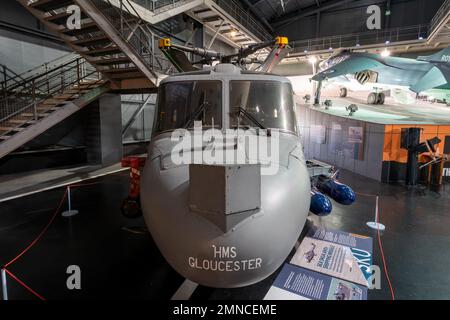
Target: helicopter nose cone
[{"x": 189, "y": 228}]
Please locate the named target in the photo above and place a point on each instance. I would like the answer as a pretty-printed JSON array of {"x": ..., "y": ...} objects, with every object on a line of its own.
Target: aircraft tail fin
[{"x": 441, "y": 56}]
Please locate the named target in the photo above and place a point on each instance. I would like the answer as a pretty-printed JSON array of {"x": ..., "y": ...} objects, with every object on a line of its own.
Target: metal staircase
[
  {"x": 29, "y": 106},
  {"x": 114, "y": 50},
  {"x": 440, "y": 25},
  {"x": 114, "y": 39}
]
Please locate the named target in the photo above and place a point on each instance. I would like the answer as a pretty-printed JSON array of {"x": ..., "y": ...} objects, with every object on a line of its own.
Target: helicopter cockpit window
[
  {"x": 180, "y": 104},
  {"x": 269, "y": 103}
]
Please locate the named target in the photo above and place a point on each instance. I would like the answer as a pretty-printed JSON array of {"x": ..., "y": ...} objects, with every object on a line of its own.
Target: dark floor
[{"x": 116, "y": 263}]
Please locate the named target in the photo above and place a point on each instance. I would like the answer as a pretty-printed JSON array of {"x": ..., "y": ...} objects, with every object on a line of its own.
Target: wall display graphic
[
  {"x": 356, "y": 140},
  {"x": 318, "y": 134},
  {"x": 296, "y": 283},
  {"x": 336, "y": 138},
  {"x": 355, "y": 134}
]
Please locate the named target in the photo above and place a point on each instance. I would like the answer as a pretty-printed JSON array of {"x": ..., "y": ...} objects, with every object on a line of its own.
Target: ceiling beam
[
  {"x": 312, "y": 10},
  {"x": 259, "y": 15}
]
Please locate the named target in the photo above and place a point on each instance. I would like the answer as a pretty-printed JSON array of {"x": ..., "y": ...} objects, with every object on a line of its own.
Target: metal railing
[
  {"x": 8, "y": 77},
  {"x": 245, "y": 18},
  {"x": 136, "y": 32},
  {"x": 41, "y": 69},
  {"x": 440, "y": 14},
  {"x": 26, "y": 97},
  {"x": 418, "y": 32},
  {"x": 160, "y": 5}
]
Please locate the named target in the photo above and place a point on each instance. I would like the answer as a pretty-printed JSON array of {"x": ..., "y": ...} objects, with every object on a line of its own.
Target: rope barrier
[
  {"x": 36, "y": 240},
  {"x": 380, "y": 244},
  {"x": 40, "y": 234},
  {"x": 24, "y": 285}
]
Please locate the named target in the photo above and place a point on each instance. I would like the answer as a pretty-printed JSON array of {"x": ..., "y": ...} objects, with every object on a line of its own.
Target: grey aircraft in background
[{"x": 426, "y": 75}]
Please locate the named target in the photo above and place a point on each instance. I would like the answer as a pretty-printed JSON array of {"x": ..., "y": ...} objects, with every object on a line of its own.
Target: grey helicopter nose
[{"x": 225, "y": 194}]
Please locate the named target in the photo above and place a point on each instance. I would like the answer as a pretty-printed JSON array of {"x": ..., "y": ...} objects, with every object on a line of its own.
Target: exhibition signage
[
  {"x": 356, "y": 249},
  {"x": 328, "y": 265},
  {"x": 296, "y": 283}
]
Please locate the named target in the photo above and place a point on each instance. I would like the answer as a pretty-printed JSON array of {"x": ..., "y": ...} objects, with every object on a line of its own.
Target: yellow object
[
  {"x": 164, "y": 43},
  {"x": 282, "y": 41}
]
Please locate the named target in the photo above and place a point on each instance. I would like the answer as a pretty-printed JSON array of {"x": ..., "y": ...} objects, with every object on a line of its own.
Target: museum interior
[{"x": 328, "y": 122}]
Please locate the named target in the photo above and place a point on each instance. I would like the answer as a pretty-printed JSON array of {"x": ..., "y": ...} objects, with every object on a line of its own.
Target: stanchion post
[
  {"x": 69, "y": 212},
  {"x": 375, "y": 224},
  {"x": 4, "y": 285}
]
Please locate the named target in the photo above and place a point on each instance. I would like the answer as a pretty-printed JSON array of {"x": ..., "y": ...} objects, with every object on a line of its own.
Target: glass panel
[
  {"x": 269, "y": 102},
  {"x": 182, "y": 103}
]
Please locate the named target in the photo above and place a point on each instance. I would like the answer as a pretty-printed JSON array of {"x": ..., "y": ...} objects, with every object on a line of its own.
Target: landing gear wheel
[
  {"x": 381, "y": 98},
  {"x": 131, "y": 208},
  {"x": 372, "y": 98},
  {"x": 343, "y": 92}
]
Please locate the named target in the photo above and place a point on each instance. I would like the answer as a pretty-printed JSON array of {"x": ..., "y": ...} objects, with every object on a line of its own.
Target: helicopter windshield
[
  {"x": 270, "y": 103},
  {"x": 182, "y": 103}
]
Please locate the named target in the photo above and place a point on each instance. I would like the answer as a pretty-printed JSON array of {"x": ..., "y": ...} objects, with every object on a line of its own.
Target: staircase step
[
  {"x": 4, "y": 137},
  {"x": 85, "y": 28},
  {"x": 92, "y": 41},
  {"x": 103, "y": 51},
  {"x": 51, "y": 102},
  {"x": 75, "y": 91},
  {"x": 11, "y": 129},
  {"x": 120, "y": 70},
  {"x": 61, "y": 18},
  {"x": 126, "y": 75},
  {"x": 21, "y": 121},
  {"x": 111, "y": 61},
  {"x": 45, "y": 109},
  {"x": 48, "y": 5},
  {"x": 31, "y": 115},
  {"x": 65, "y": 97}
]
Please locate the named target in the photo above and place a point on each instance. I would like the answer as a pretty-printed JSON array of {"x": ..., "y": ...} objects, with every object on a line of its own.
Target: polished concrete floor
[{"x": 120, "y": 261}]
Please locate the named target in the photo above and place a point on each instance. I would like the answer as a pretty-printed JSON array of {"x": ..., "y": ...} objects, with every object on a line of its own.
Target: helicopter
[{"x": 226, "y": 190}]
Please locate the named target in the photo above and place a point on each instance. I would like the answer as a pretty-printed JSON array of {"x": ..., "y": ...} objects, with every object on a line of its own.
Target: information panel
[{"x": 296, "y": 283}]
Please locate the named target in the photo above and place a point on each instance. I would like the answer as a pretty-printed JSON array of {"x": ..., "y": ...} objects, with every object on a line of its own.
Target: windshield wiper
[
  {"x": 195, "y": 115},
  {"x": 241, "y": 111},
  {"x": 197, "y": 112}
]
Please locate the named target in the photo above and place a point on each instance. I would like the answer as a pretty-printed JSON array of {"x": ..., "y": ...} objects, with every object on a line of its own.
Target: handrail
[
  {"x": 8, "y": 75},
  {"x": 41, "y": 76},
  {"x": 417, "y": 32},
  {"x": 45, "y": 67},
  {"x": 44, "y": 86},
  {"x": 136, "y": 32},
  {"x": 244, "y": 18},
  {"x": 443, "y": 10},
  {"x": 160, "y": 5}
]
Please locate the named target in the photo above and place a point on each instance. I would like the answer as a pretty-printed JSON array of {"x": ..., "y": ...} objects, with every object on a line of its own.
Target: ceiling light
[
  {"x": 312, "y": 59},
  {"x": 385, "y": 53}
]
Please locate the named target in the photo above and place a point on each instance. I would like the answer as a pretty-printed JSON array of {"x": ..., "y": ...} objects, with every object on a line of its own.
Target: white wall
[
  {"x": 22, "y": 56},
  {"x": 301, "y": 85}
]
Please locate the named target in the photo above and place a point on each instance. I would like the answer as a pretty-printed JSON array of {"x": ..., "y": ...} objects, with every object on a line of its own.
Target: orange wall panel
[{"x": 392, "y": 140}]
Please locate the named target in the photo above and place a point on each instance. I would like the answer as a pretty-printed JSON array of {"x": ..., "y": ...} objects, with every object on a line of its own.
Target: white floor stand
[
  {"x": 375, "y": 224},
  {"x": 70, "y": 212},
  {"x": 4, "y": 286}
]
